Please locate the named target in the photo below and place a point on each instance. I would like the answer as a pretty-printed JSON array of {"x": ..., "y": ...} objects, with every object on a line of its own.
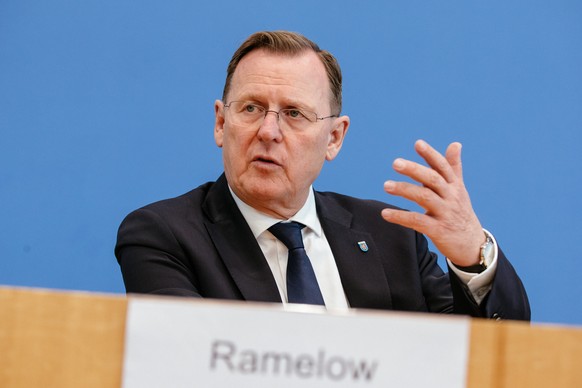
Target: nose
[
  {"x": 272, "y": 111},
  {"x": 269, "y": 129}
]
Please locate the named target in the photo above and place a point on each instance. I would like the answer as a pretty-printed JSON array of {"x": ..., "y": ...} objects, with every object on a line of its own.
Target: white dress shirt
[
  {"x": 316, "y": 247},
  {"x": 321, "y": 257}
]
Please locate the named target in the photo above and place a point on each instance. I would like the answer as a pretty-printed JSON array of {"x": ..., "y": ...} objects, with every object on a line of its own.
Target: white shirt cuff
[{"x": 479, "y": 284}]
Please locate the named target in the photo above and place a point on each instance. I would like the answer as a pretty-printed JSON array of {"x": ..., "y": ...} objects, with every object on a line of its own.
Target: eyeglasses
[{"x": 249, "y": 113}]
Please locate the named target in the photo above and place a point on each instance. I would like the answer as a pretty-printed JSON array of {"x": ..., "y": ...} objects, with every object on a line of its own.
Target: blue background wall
[{"x": 106, "y": 106}]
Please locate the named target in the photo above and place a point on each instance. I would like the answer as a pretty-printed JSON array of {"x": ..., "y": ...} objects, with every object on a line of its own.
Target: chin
[
  {"x": 253, "y": 187},
  {"x": 266, "y": 191}
]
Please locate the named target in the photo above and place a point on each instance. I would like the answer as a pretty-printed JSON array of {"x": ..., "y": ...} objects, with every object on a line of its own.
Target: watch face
[{"x": 487, "y": 253}]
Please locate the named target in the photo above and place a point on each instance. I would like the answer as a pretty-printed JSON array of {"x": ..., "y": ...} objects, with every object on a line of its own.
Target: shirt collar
[{"x": 259, "y": 222}]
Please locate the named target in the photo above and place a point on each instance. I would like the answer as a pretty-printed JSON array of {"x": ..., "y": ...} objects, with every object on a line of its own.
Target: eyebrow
[{"x": 287, "y": 103}]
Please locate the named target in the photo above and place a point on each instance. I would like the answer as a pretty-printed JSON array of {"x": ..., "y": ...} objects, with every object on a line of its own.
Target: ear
[
  {"x": 336, "y": 137},
  {"x": 218, "y": 122}
]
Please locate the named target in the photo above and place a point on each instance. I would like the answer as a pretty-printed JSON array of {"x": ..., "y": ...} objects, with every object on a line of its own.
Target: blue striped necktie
[{"x": 302, "y": 285}]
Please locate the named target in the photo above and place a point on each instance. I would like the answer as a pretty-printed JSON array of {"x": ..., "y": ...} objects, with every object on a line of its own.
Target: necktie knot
[{"x": 289, "y": 233}]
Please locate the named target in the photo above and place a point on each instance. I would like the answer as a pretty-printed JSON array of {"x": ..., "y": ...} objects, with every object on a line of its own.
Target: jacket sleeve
[
  {"x": 446, "y": 293},
  {"x": 149, "y": 255},
  {"x": 507, "y": 298}
]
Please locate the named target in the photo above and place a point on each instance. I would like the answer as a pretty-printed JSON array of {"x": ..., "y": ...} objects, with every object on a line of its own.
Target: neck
[{"x": 282, "y": 210}]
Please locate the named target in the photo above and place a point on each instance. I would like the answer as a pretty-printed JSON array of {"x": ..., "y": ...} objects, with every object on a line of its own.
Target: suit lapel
[
  {"x": 237, "y": 246},
  {"x": 361, "y": 272}
]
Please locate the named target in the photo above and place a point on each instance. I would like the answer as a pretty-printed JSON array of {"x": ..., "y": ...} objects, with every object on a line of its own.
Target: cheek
[
  {"x": 235, "y": 146},
  {"x": 317, "y": 146},
  {"x": 231, "y": 153},
  {"x": 310, "y": 155}
]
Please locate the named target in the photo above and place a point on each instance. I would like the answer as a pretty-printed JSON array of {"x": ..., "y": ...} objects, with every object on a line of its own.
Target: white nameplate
[{"x": 177, "y": 343}]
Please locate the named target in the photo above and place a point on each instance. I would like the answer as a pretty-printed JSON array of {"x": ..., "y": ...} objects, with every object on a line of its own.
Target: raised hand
[{"x": 449, "y": 220}]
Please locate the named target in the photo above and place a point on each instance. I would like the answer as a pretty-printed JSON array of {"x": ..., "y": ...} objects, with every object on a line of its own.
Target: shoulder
[
  {"x": 185, "y": 207},
  {"x": 166, "y": 221},
  {"x": 191, "y": 200},
  {"x": 181, "y": 204}
]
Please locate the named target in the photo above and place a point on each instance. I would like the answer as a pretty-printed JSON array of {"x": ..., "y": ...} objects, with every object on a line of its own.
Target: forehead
[{"x": 264, "y": 74}]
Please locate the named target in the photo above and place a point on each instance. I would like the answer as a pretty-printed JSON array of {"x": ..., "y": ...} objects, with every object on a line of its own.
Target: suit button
[{"x": 496, "y": 316}]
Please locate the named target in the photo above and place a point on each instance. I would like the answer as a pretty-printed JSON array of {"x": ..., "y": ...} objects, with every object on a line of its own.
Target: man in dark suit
[{"x": 277, "y": 123}]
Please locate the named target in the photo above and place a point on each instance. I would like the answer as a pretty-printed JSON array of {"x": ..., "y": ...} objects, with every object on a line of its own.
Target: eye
[
  {"x": 295, "y": 114},
  {"x": 251, "y": 108}
]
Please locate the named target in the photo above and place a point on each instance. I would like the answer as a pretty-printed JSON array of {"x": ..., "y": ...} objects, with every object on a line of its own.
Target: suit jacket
[{"x": 200, "y": 245}]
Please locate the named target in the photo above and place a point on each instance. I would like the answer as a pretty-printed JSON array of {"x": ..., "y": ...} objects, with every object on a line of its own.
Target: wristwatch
[
  {"x": 487, "y": 252},
  {"x": 486, "y": 256}
]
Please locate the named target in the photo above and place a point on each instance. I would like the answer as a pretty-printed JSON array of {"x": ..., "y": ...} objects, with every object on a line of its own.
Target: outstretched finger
[
  {"x": 424, "y": 175},
  {"x": 413, "y": 220},
  {"x": 435, "y": 160},
  {"x": 423, "y": 196},
  {"x": 453, "y": 156}
]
